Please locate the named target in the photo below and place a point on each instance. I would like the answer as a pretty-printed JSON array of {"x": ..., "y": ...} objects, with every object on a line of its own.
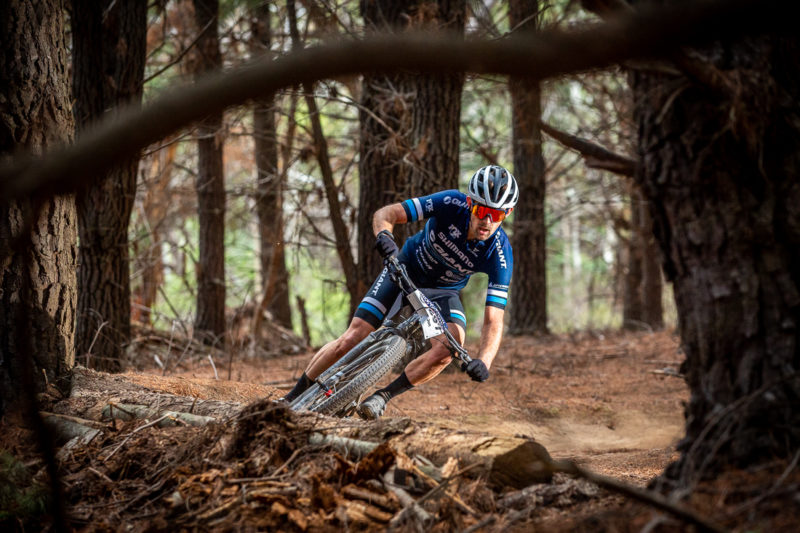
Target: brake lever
[{"x": 458, "y": 351}]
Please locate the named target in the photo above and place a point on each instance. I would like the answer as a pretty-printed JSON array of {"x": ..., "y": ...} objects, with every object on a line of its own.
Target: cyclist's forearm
[
  {"x": 387, "y": 216},
  {"x": 491, "y": 334}
]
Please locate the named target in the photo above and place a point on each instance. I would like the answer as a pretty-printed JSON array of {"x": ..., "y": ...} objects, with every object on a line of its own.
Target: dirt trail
[
  {"x": 601, "y": 400},
  {"x": 612, "y": 403}
]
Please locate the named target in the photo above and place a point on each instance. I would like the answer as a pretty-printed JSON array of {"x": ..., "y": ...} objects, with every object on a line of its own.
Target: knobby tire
[{"x": 371, "y": 366}]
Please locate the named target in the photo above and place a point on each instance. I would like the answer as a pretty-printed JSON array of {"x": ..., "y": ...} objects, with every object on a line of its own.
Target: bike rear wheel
[{"x": 364, "y": 372}]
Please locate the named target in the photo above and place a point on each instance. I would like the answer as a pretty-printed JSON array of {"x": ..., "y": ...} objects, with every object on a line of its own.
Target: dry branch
[
  {"x": 169, "y": 418},
  {"x": 128, "y": 437},
  {"x": 594, "y": 155},
  {"x": 358, "y": 493},
  {"x": 668, "y": 372},
  {"x": 410, "y": 506}
]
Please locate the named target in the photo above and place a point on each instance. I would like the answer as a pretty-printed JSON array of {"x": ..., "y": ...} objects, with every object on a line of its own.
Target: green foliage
[
  {"x": 241, "y": 272},
  {"x": 21, "y": 499},
  {"x": 317, "y": 278},
  {"x": 473, "y": 296}
]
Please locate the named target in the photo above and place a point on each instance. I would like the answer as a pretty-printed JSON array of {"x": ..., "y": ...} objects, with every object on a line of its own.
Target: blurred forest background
[{"x": 592, "y": 216}]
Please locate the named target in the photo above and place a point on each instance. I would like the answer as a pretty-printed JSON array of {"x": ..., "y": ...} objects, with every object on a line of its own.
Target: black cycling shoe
[{"x": 372, "y": 408}]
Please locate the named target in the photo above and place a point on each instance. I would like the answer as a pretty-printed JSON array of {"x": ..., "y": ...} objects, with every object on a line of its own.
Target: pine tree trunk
[
  {"x": 37, "y": 283},
  {"x": 385, "y": 117},
  {"x": 409, "y": 124},
  {"x": 436, "y": 116},
  {"x": 108, "y": 69},
  {"x": 209, "y": 325},
  {"x": 528, "y": 308},
  {"x": 269, "y": 188},
  {"x": 632, "y": 303},
  {"x": 720, "y": 169},
  {"x": 652, "y": 282},
  {"x": 155, "y": 205},
  {"x": 642, "y": 305}
]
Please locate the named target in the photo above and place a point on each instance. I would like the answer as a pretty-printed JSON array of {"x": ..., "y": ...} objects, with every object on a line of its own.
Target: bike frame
[
  {"x": 431, "y": 320},
  {"x": 426, "y": 318}
]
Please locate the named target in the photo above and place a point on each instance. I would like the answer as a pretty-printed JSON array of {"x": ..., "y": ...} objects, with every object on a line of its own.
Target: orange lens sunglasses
[{"x": 481, "y": 211}]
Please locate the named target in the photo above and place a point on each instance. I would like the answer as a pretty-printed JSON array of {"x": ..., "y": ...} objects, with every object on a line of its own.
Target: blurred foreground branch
[{"x": 647, "y": 33}]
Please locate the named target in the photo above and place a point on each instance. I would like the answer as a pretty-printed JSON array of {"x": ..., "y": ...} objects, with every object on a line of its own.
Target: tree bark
[
  {"x": 385, "y": 119},
  {"x": 210, "y": 314},
  {"x": 37, "y": 283},
  {"x": 528, "y": 307},
  {"x": 108, "y": 56},
  {"x": 269, "y": 185},
  {"x": 720, "y": 171},
  {"x": 652, "y": 282},
  {"x": 436, "y": 117},
  {"x": 632, "y": 302},
  {"x": 642, "y": 305},
  {"x": 409, "y": 123},
  {"x": 148, "y": 259}
]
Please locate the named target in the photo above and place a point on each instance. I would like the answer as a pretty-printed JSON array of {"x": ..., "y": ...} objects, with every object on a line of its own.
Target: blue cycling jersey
[{"x": 441, "y": 256}]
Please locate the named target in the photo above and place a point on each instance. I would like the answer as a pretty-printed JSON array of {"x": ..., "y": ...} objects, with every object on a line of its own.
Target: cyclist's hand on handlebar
[
  {"x": 385, "y": 244},
  {"x": 476, "y": 369}
]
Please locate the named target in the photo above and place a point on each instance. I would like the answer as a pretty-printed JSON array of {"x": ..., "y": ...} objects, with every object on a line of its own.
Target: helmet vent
[{"x": 494, "y": 186}]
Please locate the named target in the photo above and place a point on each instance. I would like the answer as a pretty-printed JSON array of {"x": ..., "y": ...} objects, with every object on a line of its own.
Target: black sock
[
  {"x": 398, "y": 386},
  {"x": 299, "y": 388}
]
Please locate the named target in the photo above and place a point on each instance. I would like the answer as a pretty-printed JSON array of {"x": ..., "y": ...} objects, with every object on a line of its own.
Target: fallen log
[
  {"x": 505, "y": 461},
  {"x": 125, "y": 411},
  {"x": 67, "y": 428},
  {"x": 352, "y": 448}
]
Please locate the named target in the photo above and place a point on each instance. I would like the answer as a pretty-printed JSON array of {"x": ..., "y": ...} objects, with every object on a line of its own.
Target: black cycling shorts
[{"x": 383, "y": 300}]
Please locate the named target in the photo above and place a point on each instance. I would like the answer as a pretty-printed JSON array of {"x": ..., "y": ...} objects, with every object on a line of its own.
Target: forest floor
[{"x": 610, "y": 402}]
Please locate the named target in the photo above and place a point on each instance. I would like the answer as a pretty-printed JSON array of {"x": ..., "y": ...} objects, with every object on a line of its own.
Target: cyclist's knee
[
  {"x": 355, "y": 333},
  {"x": 438, "y": 355}
]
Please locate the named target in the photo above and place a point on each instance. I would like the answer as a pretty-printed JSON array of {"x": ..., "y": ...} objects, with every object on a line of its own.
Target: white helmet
[{"x": 493, "y": 187}]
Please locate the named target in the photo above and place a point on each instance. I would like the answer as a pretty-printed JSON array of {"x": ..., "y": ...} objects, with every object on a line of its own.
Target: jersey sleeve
[
  {"x": 441, "y": 202},
  {"x": 500, "y": 276}
]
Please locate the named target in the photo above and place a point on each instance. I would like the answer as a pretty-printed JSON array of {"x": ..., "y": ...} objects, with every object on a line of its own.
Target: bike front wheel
[{"x": 358, "y": 376}]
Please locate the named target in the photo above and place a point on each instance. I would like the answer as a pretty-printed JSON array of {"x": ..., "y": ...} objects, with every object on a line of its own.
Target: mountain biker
[{"x": 462, "y": 236}]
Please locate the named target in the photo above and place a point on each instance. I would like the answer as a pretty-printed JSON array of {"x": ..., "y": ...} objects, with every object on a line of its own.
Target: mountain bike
[{"x": 406, "y": 335}]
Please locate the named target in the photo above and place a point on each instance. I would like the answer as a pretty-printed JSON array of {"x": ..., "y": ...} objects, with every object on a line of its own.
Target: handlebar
[{"x": 399, "y": 274}]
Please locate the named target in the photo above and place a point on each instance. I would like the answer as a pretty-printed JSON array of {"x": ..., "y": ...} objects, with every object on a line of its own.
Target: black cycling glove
[
  {"x": 476, "y": 369},
  {"x": 384, "y": 243}
]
